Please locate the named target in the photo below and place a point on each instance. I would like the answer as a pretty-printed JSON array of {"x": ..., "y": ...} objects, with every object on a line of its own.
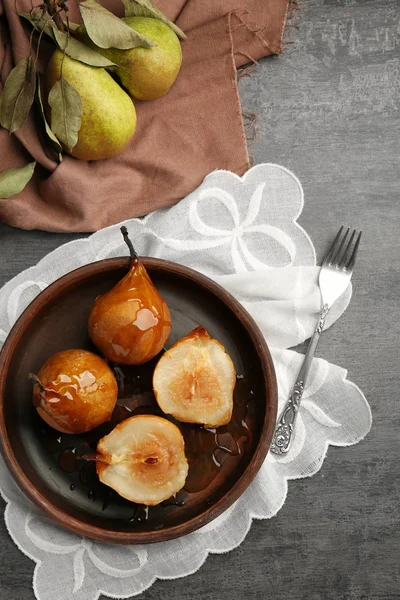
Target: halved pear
[
  {"x": 194, "y": 380},
  {"x": 143, "y": 459}
]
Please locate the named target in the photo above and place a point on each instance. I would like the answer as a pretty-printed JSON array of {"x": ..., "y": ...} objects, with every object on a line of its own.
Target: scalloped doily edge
[
  {"x": 240, "y": 178},
  {"x": 251, "y": 516}
]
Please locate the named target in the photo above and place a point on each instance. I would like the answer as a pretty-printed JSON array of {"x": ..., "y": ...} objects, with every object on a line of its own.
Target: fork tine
[
  {"x": 332, "y": 247},
  {"x": 346, "y": 255},
  {"x": 334, "y": 260},
  {"x": 350, "y": 264}
]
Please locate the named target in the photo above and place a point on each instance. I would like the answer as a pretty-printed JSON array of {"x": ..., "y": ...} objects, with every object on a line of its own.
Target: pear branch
[
  {"x": 53, "y": 8},
  {"x": 40, "y": 38}
]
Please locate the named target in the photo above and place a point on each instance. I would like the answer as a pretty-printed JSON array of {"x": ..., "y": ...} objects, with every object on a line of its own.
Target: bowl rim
[{"x": 131, "y": 537}]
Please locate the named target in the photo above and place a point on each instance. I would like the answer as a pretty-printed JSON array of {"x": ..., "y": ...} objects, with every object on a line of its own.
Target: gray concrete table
[{"x": 329, "y": 110}]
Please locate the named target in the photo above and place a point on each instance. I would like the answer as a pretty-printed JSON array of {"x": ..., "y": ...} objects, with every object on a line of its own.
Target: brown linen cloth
[{"x": 195, "y": 128}]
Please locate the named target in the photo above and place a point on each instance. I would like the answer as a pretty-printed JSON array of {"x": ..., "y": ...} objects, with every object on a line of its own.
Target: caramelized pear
[
  {"x": 143, "y": 459},
  {"x": 131, "y": 323},
  {"x": 194, "y": 380},
  {"x": 75, "y": 391}
]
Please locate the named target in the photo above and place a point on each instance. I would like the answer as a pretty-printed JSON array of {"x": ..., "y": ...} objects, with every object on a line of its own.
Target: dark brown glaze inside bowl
[{"x": 49, "y": 466}]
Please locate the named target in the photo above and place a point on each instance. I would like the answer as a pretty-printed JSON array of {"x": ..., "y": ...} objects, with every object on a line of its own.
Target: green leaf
[
  {"x": 145, "y": 8},
  {"x": 66, "y": 112},
  {"x": 54, "y": 143},
  {"x": 108, "y": 31},
  {"x": 18, "y": 95},
  {"x": 13, "y": 181},
  {"x": 79, "y": 51}
]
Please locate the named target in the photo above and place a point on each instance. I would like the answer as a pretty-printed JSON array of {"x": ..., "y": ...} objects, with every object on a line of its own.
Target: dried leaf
[
  {"x": 145, "y": 8},
  {"x": 79, "y": 51},
  {"x": 39, "y": 21},
  {"x": 66, "y": 112},
  {"x": 74, "y": 48},
  {"x": 18, "y": 95},
  {"x": 13, "y": 181},
  {"x": 108, "y": 31},
  {"x": 72, "y": 26},
  {"x": 55, "y": 144}
]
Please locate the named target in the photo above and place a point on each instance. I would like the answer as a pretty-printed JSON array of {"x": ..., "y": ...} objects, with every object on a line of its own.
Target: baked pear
[
  {"x": 130, "y": 323},
  {"x": 143, "y": 459},
  {"x": 194, "y": 380},
  {"x": 75, "y": 391}
]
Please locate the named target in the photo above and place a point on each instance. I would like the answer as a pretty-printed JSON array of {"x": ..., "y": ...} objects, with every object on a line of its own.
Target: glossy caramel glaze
[
  {"x": 208, "y": 451},
  {"x": 78, "y": 500},
  {"x": 78, "y": 391},
  {"x": 131, "y": 323}
]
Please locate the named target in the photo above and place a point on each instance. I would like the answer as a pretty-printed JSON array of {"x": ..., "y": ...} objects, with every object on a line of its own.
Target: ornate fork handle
[{"x": 284, "y": 430}]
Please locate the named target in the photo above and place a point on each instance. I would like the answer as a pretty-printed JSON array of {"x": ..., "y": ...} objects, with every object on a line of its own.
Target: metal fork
[{"x": 334, "y": 277}]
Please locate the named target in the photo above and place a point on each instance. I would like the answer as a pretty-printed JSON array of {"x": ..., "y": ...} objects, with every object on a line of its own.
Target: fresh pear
[
  {"x": 108, "y": 113},
  {"x": 131, "y": 323},
  {"x": 146, "y": 73},
  {"x": 194, "y": 380},
  {"x": 143, "y": 459},
  {"x": 75, "y": 391}
]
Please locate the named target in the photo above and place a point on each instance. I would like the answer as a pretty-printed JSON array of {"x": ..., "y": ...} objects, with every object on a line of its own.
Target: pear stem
[
  {"x": 94, "y": 458},
  {"x": 32, "y": 377},
  {"x": 128, "y": 242}
]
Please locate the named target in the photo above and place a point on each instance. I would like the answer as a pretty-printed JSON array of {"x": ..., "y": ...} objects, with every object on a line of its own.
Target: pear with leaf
[
  {"x": 108, "y": 116},
  {"x": 85, "y": 112},
  {"x": 146, "y": 73}
]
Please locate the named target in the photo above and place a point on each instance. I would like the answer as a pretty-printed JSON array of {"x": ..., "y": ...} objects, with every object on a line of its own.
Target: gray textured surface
[{"x": 329, "y": 110}]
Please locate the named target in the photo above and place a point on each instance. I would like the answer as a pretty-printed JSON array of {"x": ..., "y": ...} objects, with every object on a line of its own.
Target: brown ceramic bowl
[{"x": 46, "y": 464}]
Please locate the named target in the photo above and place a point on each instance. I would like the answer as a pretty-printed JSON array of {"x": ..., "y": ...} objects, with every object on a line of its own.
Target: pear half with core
[
  {"x": 143, "y": 459},
  {"x": 131, "y": 323},
  {"x": 108, "y": 113},
  {"x": 194, "y": 380}
]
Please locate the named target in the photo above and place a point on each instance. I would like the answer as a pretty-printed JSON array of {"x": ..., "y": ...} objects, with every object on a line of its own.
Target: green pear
[
  {"x": 148, "y": 73},
  {"x": 108, "y": 113}
]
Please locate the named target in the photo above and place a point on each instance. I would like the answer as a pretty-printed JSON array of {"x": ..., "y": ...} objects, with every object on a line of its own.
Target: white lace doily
[{"x": 243, "y": 233}]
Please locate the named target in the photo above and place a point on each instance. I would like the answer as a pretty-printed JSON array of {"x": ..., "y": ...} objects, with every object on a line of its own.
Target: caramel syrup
[
  {"x": 68, "y": 387},
  {"x": 206, "y": 449}
]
